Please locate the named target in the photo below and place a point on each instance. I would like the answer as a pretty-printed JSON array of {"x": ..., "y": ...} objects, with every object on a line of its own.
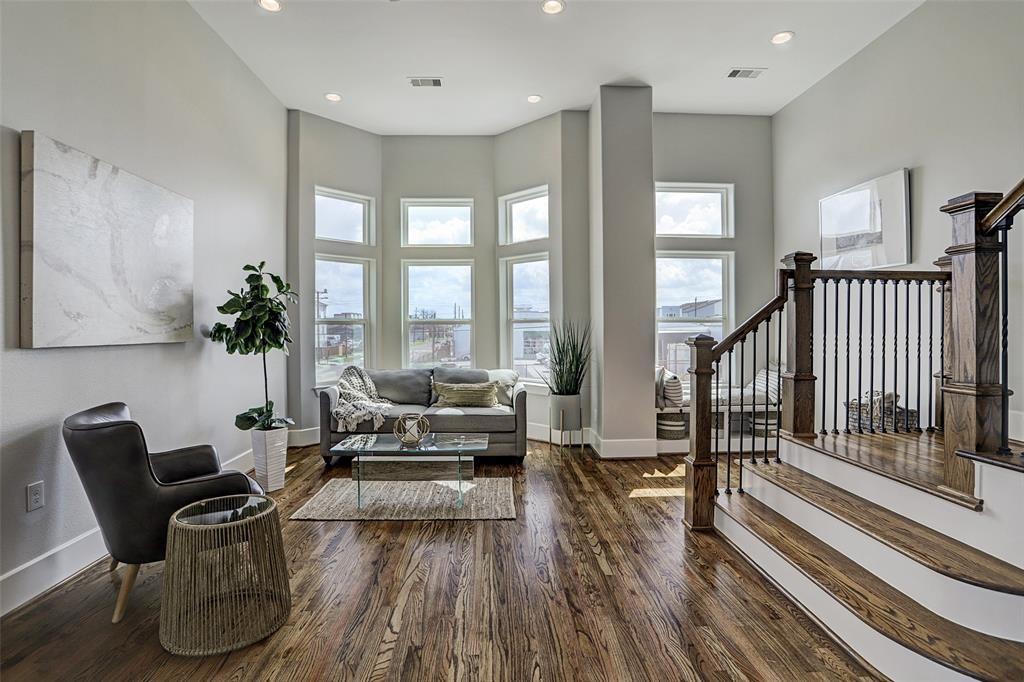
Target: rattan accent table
[{"x": 225, "y": 577}]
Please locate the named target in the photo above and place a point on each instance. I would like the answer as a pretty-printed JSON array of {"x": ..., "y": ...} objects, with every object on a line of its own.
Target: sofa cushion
[
  {"x": 389, "y": 422},
  {"x": 457, "y": 375},
  {"x": 408, "y": 386},
  {"x": 466, "y": 395},
  {"x": 506, "y": 380},
  {"x": 471, "y": 419}
]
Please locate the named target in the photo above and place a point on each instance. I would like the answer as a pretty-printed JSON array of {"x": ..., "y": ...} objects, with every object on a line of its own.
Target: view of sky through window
[
  {"x": 439, "y": 225},
  {"x": 688, "y": 213},
  {"x": 339, "y": 289},
  {"x": 338, "y": 218},
  {"x": 530, "y": 219},
  {"x": 530, "y": 295},
  {"x": 686, "y": 280},
  {"x": 440, "y": 291}
]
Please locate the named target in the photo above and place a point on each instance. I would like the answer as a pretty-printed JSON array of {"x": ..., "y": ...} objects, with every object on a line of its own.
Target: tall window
[
  {"x": 692, "y": 298},
  {"x": 437, "y": 222},
  {"x": 342, "y": 217},
  {"x": 438, "y": 314},
  {"x": 528, "y": 316},
  {"x": 693, "y": 209},
  {"x": 523, "y": 216},
  {"x": 342, "y": 302}
]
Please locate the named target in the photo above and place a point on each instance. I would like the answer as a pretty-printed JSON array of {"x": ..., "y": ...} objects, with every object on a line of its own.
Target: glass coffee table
[{"x": 438, "y": 457}]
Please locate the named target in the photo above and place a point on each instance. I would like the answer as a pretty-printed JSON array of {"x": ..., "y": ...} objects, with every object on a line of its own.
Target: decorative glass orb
[{"x": 411, "y": 428}]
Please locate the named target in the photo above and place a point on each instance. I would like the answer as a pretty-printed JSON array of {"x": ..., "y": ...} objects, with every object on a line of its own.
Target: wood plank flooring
[{"x": 596, "y": 579}]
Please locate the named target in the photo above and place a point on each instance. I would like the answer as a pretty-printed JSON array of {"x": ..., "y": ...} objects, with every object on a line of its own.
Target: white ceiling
[{"x": 493, "y": 53}]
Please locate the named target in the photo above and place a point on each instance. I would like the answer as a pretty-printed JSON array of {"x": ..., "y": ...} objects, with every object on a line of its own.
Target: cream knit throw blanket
[{"x": 358, "y": 400}]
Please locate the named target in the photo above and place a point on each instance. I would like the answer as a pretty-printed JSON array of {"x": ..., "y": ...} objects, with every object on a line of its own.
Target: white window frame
[
  {"x": 726, "y": 190},
  {"x": 727, "y": 258},
  {"x": 407, "y": 203},
  {"x": 369, "y": 217},
  {"x": 406, "y": 322},
  {"x": 368, "y": 302},
  {"x": 505, "y": 204},
  {"x": 507, "y": 301}
]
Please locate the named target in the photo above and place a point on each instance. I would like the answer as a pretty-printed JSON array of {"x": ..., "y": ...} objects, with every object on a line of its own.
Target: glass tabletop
[
  {"x": 221, "y": 510},
  {"x": 432, "y": 444}
]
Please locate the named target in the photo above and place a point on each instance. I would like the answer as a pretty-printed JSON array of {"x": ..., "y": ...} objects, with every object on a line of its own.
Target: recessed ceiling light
[
  {"x": 533, "y": 99},
  {"x": 270, "y": 5},
  {"x": 782, "y": 37},
  {"x": 552, "y": 6},
  {"x": 332, "y": 97}
]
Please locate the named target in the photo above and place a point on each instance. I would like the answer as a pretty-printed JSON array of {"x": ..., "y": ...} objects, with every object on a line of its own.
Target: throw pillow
[
  {"x": 506, "y": 380},
  {"x": 766, "y": 382},
  {"x": 466, "y": 395},
  {"x": 673, "y": 391}
]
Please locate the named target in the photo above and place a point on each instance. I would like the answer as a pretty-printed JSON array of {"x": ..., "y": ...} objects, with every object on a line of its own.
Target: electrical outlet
[{"x": 35, "y": 496}]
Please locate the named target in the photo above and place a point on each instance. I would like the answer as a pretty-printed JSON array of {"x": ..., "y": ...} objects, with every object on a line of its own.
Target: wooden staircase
[{"x": 898, "y": 531}]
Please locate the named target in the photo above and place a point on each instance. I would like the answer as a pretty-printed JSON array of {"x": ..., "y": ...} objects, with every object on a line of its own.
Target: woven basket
[
  {"x": 903, "y": 420},
  {"x": 673, "y": 425}
]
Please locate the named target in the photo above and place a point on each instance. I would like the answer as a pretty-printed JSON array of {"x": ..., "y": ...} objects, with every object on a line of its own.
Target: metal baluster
[
  {"x": 860, "y": 355},
  {"x": 753, "y": 403},
  {"x": 871, "y": 364},
  {"x": 906, "y": 367},
  {"x": 919, "y": 413},
  {"x": 835, "y": 364},
  {"x": 716, "y": 422},
  {"x": 885, "y": 296},
  {"x": 728, "y": 432},
  {"x": 849, "y": 287},
  {"x": 942, "y": 346},
  {"x": 1004, "y": 436},
  {"x": 895, "y": 353},
  {"x": 824, "y": 355},
  {"x": 778, "y": 390},
  {"x": 743, "y": 345},
  {"x": 767, "y": 378},
  {"x": 931, "y": 369}
]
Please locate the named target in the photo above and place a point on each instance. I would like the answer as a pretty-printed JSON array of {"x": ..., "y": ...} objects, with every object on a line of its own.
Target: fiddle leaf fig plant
[{"x": 261, "y": 325}]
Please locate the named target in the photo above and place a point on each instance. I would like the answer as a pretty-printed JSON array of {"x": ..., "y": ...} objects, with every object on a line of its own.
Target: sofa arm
[
  {"x": 519, "y": 405},
  {"x": 328, "y": 401}
]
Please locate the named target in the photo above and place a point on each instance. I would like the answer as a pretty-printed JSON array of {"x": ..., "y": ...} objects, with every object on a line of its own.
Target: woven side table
[{"x": 225, "y": 577}]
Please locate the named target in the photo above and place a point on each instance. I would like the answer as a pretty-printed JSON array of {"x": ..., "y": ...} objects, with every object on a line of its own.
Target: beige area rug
[{"x": 483, "y": 498}]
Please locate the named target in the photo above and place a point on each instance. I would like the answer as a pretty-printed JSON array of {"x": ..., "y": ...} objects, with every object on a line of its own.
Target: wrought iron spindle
[
  {"x": 871, "y": 364},
  {"x": 895, "y": 354},
  {"x": 824, "y": 355},
  {"x": 716, "y": 424},
  {"x": 767, "y": 378},
  {"x": 885, "y": 295},
  {"x": 728, "y": 430},
  {"x": 919, "y": 413},
  {"x": 835, "y": 364},
  {"x": 753, "y": 402},
  {"x": 906, "y": 366},
  {"x": 849, "y": 288},
  {"x": 1004, "y": 370},
  {"x": 860, "y": 355},
  {"x": 778, "y": 389},
  {"x": 931, "y": 369},
  {"x": 743, "y": 345},
  {"x": 942, "y": 347}
]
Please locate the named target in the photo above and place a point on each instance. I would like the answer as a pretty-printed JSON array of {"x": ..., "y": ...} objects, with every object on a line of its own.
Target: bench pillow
[
  {"x": 673, "y": 390},
  {"x": 466, "y": 395}
]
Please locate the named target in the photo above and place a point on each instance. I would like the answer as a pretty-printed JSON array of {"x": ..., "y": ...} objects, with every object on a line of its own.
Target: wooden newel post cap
[
  {"x": 701, "y": 341},
  {"x": 799, "y": 259}
]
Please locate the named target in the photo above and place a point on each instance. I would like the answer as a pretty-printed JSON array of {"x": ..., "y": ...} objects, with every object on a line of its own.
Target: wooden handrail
[
  {"x": 1012, "y": 201},
  {"x": 883, "y": 275},
  {"x": 755, "y": 320}
]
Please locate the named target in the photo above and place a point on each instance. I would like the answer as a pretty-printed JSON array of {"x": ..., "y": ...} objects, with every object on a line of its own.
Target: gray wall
[
  {"x": 940, "y": 93},
  {"x": 151, "y": 88}
]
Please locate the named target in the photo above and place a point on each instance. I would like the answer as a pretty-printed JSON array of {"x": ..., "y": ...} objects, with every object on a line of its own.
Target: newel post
[
  {"x": 972, "y": 395},
  {"x": 798, "y": 379},
  {"x": 701, "y": 479}
]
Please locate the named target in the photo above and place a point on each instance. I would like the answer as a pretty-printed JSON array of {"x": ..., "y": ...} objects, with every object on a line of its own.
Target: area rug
[{"x": 483, "y": 498}]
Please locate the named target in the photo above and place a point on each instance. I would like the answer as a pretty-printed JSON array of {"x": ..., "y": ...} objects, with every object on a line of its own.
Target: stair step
[
  {"x": 876, "y": 603},
  {"x": 928, "y": 547}
]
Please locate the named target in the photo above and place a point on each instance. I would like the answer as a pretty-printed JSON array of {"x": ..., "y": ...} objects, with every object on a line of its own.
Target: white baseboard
[
  {"x": 535, "y": 431},
  {"x": 1017, "y": 424},
  {"x": 673, "y": 447},
  {"x": 300, "y": 438},
  {"x": 624, "y": 448},
  {"x": 51, "y": 568}
]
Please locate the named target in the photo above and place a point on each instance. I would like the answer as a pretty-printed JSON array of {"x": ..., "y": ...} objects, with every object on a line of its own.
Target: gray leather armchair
[{"x": 134, "y": 492}]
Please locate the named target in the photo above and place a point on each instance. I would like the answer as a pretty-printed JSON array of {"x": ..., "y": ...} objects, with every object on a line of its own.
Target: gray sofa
[{"x": 411, "y": 391}]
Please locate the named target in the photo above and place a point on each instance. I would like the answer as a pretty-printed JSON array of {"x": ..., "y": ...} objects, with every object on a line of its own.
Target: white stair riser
[
  {"x": 890, "y": 658},
  {"x": 994, "y": 613},
  {"x": 995, "y": 530}
]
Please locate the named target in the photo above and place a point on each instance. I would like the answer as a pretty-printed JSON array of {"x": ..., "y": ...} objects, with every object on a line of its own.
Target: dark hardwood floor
[{"x": 596, "y": 579}]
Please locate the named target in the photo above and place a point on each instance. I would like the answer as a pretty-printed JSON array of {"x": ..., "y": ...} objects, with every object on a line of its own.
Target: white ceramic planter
[
  {"x": 565, "y": 412},
  {"x": 269, "y": 451}
]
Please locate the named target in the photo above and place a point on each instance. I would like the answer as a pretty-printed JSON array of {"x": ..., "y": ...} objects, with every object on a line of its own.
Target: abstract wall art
[
  {"x": 868, "y": 225},
  {"x": 106, "y": 256}
]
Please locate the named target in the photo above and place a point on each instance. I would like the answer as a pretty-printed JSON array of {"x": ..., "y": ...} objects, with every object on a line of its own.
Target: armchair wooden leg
[
  {"x": 113, "y": 564},
  {"x": 127, "y": 583}
]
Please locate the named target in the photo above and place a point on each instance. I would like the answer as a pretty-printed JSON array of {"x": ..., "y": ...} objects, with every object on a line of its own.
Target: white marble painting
[{"x": 106, "y": 255}]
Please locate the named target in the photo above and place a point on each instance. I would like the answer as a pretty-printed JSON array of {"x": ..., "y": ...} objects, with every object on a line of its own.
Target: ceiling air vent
[
  {"x": 424, "y": 82},
  {"x": 746, "y": 72}
]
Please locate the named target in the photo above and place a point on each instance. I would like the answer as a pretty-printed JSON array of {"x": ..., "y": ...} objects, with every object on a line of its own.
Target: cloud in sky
[
  {"x": 682, "y": 280},
  {"x": 689, "y": 212},
  {"x": 530, "y": 219},
  {"x": 441, "y": 289},
  {"x": 432, "y": 225},
  {"x": 339, "y": 219},
  {"x": 530, "y": 286},
  {"x": 344, "y": 285}
]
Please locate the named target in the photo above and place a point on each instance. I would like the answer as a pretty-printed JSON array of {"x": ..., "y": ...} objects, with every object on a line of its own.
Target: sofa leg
[{"x": 127, "y": 583}]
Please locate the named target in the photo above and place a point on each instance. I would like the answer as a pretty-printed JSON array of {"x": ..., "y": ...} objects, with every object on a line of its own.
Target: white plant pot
[
  {"x": 269, "y": 451},
  {"x": 565, "y": 412}
]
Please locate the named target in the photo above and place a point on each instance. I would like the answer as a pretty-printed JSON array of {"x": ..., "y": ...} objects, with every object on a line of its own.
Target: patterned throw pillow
[
  {"x": 767, "y": 382},
  {"x": 673, "y": 389},
  {"x": 466, "y": 395}
]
